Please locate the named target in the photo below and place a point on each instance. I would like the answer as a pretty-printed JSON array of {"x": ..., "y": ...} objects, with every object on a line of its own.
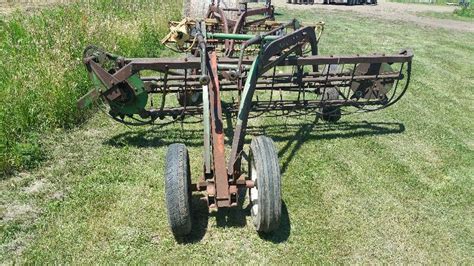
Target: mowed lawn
[{"x": 392, "y": 186}]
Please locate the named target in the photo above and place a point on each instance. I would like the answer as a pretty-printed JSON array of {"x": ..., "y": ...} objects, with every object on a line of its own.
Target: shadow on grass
[
  {"x": 292, "y": 135},
  {"x": 326, "y": 131},
  {"x": 281, "y": 132},
  {"x": 237, "y": 217},
  {"x": 200, "y": 219},
  {"x": 155, "y": 138},
  {"x": 283, "y": 232},
  {"x": 230, "y": 217}
]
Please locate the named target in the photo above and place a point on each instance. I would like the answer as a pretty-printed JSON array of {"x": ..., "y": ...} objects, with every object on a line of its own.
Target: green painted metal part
[
  {"x": 206, "y": 114},
  {"x": 206, "y": 121},
  {"x": 88, "y": 99},
  {"x": 92, "y": 96},
  {"x": 133, "y": 97},
  {"x": 247, "y": 94},
  {"x": 244, "y": 110},
  {"x": 135, "y": 105},
  {"x": 138, "y": 103}
]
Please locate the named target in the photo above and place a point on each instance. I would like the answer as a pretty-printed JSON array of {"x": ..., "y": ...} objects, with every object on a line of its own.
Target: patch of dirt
[
  {"x": 394, "y": 11},
  {"x": 58, "y": 195},
  {"x": 155, "y": 239},
  {"x": 21, "y": 212},
  {"x": 35, "y": 187},
  {"x": 18, "y": 245}
]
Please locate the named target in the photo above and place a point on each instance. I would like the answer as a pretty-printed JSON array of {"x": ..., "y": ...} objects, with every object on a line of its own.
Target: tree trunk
[{"x": 197, "y": 9}]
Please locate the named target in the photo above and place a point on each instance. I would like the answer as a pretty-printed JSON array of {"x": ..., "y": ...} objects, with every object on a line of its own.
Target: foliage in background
[
  {"x": 41, "y": 72},
  {"x": 465, "y": 11},
  {"x": 433, "y": 2}
]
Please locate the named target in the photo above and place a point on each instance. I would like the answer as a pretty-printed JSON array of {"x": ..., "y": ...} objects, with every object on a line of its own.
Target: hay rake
[{"x": 244, "y": 68}]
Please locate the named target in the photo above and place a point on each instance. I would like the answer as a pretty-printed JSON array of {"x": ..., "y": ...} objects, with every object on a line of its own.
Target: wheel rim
[{"x": 254, "y": 191}]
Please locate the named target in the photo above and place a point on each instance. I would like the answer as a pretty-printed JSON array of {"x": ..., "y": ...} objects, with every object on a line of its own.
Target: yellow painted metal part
[{"x": 178, "y": 34}]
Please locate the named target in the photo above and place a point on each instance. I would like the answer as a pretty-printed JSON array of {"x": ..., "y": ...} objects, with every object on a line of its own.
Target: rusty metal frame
[
  {"x": 220, "y": 180},
  {"x": 238, "y": 26}
]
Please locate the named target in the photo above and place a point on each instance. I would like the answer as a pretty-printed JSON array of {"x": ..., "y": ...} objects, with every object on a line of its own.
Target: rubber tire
[
  {"x": 263, "y": 154},
  {"x": 190, "y": 99},
  {"x": 331, "y": 114},
  {"x": 178, "y": 189}
]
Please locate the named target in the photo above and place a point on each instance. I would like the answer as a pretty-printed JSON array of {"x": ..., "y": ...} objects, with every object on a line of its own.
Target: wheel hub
[{"x": 254, "y": 190}]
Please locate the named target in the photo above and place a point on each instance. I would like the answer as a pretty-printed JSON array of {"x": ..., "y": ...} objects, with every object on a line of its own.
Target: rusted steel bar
[
  {"x": 218, "y": 148},
  {"x": 308, "y": 83},
  {"x": 172, "y": 63},
  {"x": 309, "y": 77},
  {"x": 222, "y": 17}
]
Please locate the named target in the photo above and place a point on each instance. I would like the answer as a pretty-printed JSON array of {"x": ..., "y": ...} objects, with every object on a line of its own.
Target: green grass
[
  {"x": 427, "y": 2},
  {"x": 462, "y": 14},
  {"x": 465, "y": 11},
  {"x": 393, "y": 186},
  {"x": 41, "y": 70},
  {"x": 446, "y": 15}
]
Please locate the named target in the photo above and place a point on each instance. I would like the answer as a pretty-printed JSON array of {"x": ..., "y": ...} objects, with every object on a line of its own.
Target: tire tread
[
  {"x": 269, "y": 184},
  {"x": 177, "y": 189}
]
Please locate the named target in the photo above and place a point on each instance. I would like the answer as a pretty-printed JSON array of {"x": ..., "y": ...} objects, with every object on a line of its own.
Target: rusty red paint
[{"x": 217, "y": 128}]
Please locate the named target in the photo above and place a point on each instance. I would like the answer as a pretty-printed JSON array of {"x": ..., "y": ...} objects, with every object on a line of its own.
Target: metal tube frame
[{"x": 221, "y": 182}]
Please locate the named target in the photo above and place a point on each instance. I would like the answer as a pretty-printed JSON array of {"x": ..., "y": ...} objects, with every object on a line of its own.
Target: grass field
[
  {"x": 41, "y": 68},
  {"x": 394, "y": 186},
  {"x": 446, "y": 15},
  {"x": 465, "y": 12},
  {"x": 462, "y": 14}
]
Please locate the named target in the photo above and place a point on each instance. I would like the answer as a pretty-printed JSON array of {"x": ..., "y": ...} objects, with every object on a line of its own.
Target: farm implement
[
  {"x": 240, "y": 68},
  {"x": 325, "y": 2}
]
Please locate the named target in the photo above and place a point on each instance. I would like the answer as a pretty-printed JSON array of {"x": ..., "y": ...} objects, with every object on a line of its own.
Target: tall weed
[{"x": 41, "y": 70}]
